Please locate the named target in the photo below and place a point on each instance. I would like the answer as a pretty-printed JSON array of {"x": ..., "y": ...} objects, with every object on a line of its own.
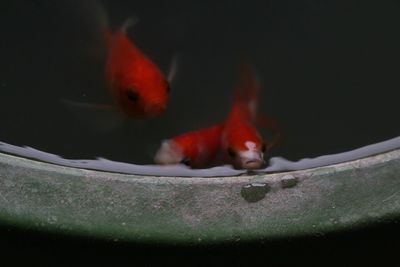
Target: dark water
[{"x": 329, "y": 71}]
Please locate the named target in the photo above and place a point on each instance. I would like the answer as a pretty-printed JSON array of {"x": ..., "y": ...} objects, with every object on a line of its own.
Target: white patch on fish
[
  {"x": 252, "y": 158},
  {"x": 169, "y": 153}
]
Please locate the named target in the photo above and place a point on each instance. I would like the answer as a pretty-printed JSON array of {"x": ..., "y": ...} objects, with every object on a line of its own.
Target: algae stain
[
  {"x": 289, "y": 181},
  {"x": 254, "y": 192}
]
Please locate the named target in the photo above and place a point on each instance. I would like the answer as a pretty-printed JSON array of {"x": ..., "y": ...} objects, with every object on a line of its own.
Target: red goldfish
[
  {"x": 236, "y": 137},
  {"x": 137, "y": 86},
  {"x": 195, "y": 148},
  {"x": 135, "y": 82},
  {"x": 240, "y": 138}
]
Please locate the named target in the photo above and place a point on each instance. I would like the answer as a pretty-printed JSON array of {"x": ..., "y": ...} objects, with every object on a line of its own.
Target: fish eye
[
  {"x": 186, "y": 161},
  {"x": 263, "y": 148},
  {"x": 231, "y": 153},
  {"x": 132, "y": 95}
]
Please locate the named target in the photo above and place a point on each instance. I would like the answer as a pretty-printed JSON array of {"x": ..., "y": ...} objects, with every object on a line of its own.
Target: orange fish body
[
  {"x": 237, "y": 137},
  {"x": 195, "y": 148},
  {"x": 135, "y": 82},
  {"x": 241, "y": 140}
]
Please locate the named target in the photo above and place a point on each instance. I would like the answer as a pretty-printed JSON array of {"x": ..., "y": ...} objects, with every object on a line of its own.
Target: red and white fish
[
  {"x": 241, "y": 140},
  {"x": 237, "y": 137},
  {"x": 195, "y": 149},
  {"x": 242, "y": 143},
  {"x": 248, "y": 91}
]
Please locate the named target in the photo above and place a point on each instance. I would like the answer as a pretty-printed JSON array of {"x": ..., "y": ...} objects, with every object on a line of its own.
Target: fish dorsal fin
[
  {"x": 249, "y": 84},
  {"x": 128, "y": 23},
  {"x": 172, "y": 69}
]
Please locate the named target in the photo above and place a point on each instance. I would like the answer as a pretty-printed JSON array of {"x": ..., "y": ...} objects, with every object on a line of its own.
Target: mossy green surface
[{"x": 43, "y": 196}]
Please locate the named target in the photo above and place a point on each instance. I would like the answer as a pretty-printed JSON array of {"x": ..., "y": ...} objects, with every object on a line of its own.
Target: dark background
[
  {"x": 375, "y": 245},
  {"x": 329, "y": 71},
  {"x": 330, "y": 77}
]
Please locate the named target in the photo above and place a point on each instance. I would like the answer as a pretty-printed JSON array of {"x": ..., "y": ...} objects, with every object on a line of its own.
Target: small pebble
[{"x": 289, "y": 181}]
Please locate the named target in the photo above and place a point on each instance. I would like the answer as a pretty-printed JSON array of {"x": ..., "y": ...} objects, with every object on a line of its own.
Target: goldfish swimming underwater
[
  {"x": 135, "y": 82},
  {"x": 195, "y": 149},
  {"x": 138, "y": 87},
  {"x": 241, "y": 141},
  {"x": 236, "y": 138}
]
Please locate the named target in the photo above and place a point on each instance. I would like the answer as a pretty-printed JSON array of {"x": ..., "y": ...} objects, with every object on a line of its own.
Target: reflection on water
[
  {"x": 276, "y": 164},
  {"x": 328, "y": 72}
]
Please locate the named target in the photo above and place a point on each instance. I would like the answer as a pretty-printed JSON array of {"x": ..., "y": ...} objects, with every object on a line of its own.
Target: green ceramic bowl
[{"x": 42, "y": 196}]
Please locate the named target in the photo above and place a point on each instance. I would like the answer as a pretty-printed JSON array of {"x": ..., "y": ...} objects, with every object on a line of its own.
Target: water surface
[{"x": 329, "y": 72}]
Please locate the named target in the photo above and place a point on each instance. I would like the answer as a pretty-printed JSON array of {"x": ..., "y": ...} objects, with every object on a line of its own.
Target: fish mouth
[
  {"x": 250, "y": 160},
  {"x": 252, "y": 164}
]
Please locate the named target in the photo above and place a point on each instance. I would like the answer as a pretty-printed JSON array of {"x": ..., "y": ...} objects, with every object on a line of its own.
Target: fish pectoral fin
[
  {"x": 100, "y": 118},
  {"x": 86, "y": 105},
  {"x": 267, "y": 124},
  {"x": 128, "y": 23}
]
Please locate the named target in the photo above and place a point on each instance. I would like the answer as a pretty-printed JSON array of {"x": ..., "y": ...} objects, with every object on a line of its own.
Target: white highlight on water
[{"x": 276, "y": 164}]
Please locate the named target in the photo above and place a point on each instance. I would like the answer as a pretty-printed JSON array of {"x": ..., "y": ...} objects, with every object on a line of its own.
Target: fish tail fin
[
  {"x": 101, "y": 19},
  {"x": 247, "y": 90},
  {"x": 95, "y": 13},
  {"x": 250, "y": 85},
  {"x": 101, "y": 15},
  {"x": 96, "y": 19},
  {"x": 128, "y": 23}
]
